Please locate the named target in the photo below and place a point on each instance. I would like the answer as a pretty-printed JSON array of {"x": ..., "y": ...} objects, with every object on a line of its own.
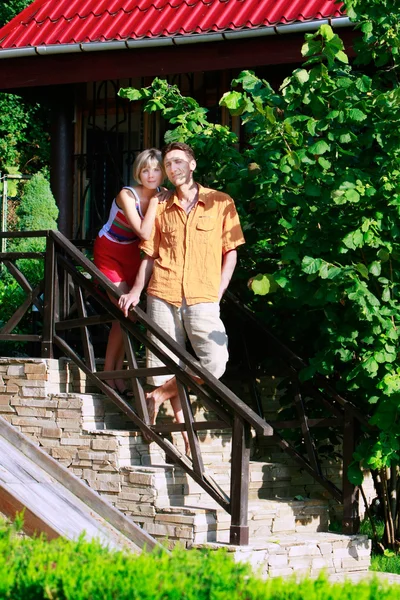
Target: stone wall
[{"x": 44, "y": 399}]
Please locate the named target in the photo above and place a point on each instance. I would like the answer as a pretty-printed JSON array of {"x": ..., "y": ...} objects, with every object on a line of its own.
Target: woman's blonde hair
[{"x": 144, "y": 159}]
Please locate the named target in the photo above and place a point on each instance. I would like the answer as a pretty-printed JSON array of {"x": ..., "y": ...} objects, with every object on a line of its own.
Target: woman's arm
[
  {"x": 127, "y": 201},
  {"x": 132, "y": 298}
]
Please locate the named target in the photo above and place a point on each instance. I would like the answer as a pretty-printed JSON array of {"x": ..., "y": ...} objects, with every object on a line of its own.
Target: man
[{"x": 190, "y": 258}]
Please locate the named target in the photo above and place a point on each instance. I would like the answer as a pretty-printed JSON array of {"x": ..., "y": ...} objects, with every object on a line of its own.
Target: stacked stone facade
[{"x": 50, "y": 401}]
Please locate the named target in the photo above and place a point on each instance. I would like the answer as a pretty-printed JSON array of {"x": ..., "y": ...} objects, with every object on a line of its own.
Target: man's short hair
[{"x": 178, "y": 146}]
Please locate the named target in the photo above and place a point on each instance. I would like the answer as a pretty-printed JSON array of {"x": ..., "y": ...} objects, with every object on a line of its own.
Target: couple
[{"x": 189, "y": 260}]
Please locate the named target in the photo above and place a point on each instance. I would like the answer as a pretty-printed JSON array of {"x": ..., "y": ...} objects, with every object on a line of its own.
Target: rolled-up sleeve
[
  {"x": 151, "y": 246},
  {"x": 232, "y": 234}
]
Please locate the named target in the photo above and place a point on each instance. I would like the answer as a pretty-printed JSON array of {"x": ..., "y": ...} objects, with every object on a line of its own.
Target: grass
[{"x": 389, "y": 562}]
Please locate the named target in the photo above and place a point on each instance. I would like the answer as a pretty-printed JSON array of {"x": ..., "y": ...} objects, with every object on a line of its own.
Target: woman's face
[{"x": 151, "y": 175}]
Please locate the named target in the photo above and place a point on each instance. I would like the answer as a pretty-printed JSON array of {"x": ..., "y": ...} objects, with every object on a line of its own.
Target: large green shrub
[
  {"x": 33, "y": 569},
  {"x": 36, "y": 211}
]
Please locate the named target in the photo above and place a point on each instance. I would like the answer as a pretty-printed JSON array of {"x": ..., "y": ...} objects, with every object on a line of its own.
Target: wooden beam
[{"x": 60, "y": 69}]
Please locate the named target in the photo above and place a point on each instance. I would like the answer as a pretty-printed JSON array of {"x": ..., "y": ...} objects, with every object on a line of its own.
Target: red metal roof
[{"x": 48, "y": 22}]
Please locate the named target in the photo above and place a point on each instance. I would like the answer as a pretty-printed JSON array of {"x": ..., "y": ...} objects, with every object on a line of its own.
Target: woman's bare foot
[
  {"x": 154, "y": 400},
  {"x": 187, "y": 445},
  {"x": 159, "y": 395}
]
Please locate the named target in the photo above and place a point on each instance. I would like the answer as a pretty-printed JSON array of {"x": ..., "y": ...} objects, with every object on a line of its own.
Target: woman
[{"x": 116, "y": 249}]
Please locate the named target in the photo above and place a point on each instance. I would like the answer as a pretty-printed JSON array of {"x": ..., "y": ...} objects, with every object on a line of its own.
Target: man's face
[{"x": 179, "y": 167}]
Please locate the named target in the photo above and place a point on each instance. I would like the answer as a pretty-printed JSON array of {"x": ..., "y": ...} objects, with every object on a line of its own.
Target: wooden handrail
[{"x": 64, "y": 263}]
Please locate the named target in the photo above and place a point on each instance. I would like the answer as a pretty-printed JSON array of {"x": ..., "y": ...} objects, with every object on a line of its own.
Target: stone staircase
[{"x": 50, "y": 401}]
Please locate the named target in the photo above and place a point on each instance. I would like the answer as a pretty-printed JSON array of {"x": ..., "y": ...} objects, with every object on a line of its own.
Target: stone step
[
  {"x": 86, "y": 433},
  {"x": 302, "y": 554}
]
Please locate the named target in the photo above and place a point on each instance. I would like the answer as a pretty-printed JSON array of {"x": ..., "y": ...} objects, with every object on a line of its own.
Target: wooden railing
[
  {"x": 335, "y": 412},
  {"x": 70, "y": 278}
]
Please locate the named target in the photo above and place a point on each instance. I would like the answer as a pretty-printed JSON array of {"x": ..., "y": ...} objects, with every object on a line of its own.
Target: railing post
[
  {"x": 48, "y": 304},
  {"x": 239, "y": 532},
  {"x": 351, "y": 518}
]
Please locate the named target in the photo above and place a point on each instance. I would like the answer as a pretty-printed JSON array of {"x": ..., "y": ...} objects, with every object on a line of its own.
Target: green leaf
[
  {"x": 367, "y": 27},
  {"x": 326, "y": 32},
  {"x": 324, "y": 270},
  {"x": 311, "y": 265},
  {"x": 355, "y": 474},
  {"x": 133, "y": 94},
  {"x": 364, "y": 83},
  {"x": 356, "y": 115},
  {"x": 358, "y": 238},
  {"x": 362, "y": 269},
  {"x": 248, "y": 80},
  {"x": 383, "y": 255},
  {"x": 352, "y": 195},
  {"x": 348, "y": 241},
  {"x": 375, "y": 268},
  {"x": 373, "y": 399},
  {"x": 325, "y": 164},
  {"x": 319, "y": 147},
  {"x": 311, "y": 124},
  {"x": 338, "y": 196},
  {"x": 270, "y": 115},
  {"x": 345, "y": 138},
  {"x": 371, "y": 366},
  {"x": 263, "y": 284},
  {"x": 232, "y": 100},
  {"x": 333, "y": 272},
  {"x": 385, "y": 416},
  {"x": 281, "y": 281},
  {"x": 342, "y": 56},
  {"x": 294, "y": 160},
  {"x": 301, "y": 75}
]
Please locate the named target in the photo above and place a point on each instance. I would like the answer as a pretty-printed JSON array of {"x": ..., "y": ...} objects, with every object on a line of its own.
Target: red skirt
[{"x": 118, "y": 262}]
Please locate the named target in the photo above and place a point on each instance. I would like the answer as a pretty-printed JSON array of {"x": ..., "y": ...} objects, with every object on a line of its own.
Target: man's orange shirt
[{"x": 188, "y": 249}]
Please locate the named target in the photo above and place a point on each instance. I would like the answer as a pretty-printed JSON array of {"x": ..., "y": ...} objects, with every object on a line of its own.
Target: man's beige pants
[{"x": 201, "y": 323}]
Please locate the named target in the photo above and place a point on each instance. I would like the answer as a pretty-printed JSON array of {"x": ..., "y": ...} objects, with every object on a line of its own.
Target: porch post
[
  {"x": 62, "y": 151},
  {"x": 49, "y": 300},
  {"x": 351, "y": 517},
  {"x": 240, "y": 464}
]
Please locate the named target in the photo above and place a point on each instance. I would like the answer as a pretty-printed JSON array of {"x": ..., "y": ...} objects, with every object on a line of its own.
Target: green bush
[
  {"x": 33, "y": 569},
  {"x": 36, "y": 211}
]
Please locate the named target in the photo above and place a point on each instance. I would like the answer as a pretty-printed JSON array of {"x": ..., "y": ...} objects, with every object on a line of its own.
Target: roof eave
[{"x": 131, "y": 44}]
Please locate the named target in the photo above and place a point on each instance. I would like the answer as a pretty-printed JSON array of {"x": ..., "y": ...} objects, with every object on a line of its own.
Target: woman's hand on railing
[{"x": 129, "y": 300}]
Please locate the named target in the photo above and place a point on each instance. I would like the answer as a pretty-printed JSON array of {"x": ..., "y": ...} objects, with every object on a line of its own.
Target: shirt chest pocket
[
  {"x": 169, "y": 234},
  {"x": 204, "y": 229}
]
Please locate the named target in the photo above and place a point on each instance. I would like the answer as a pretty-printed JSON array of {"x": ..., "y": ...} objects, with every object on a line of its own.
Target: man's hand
[{"x": 132, "y": 298}]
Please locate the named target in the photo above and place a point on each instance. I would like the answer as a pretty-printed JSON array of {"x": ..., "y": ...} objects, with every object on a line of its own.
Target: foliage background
[{"x": 24, "y": 126}]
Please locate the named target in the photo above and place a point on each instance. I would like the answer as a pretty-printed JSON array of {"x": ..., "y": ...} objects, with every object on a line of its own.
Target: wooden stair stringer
[{"x": 55, "y": 500}]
